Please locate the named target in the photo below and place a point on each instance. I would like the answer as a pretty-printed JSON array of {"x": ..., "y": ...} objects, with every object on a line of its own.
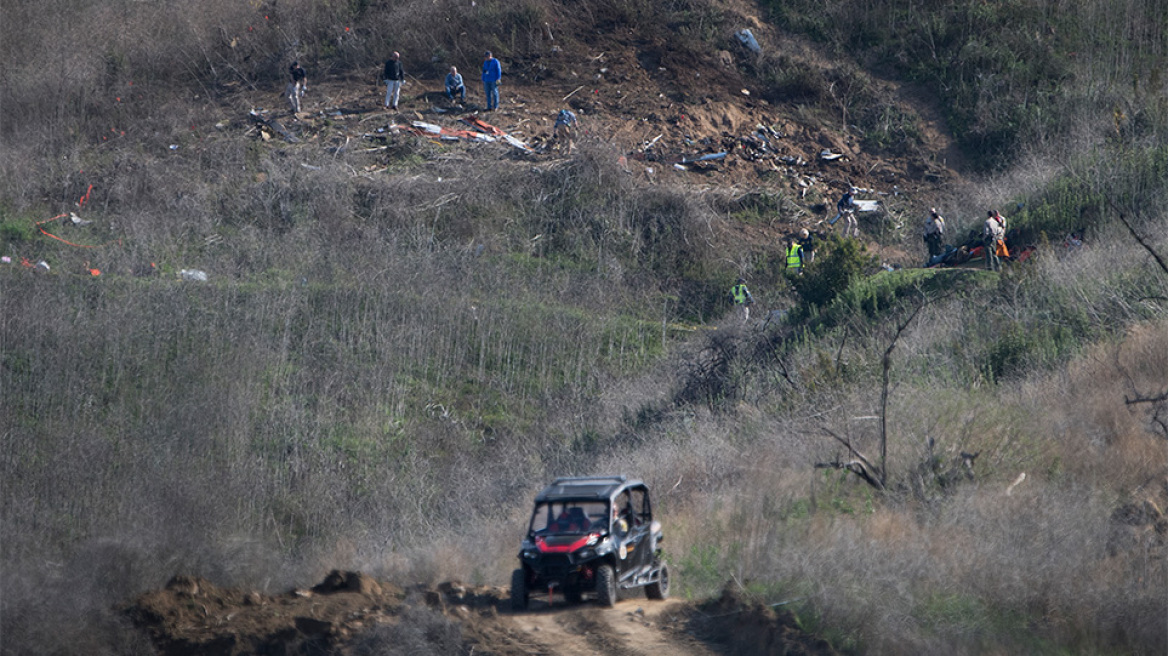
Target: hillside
[{"x": 287, "y": 382}]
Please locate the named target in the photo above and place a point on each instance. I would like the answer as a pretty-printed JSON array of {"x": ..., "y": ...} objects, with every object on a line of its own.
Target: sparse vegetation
[{"x": 364, "y": 339}]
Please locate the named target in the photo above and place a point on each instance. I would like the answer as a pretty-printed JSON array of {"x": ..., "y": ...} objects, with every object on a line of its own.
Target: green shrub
[
  {"x": 838, "y": 263},
  {"x": 14, "y": 232}
]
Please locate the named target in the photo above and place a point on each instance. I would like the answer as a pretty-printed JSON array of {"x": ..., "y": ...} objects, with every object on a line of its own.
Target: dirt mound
[
  {"x": 352, "y": 613},
  {"x": 745, "y": 626},
  {"x": 193, "y": 616}
]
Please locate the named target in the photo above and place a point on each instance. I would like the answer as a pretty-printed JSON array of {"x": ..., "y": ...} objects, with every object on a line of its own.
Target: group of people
[
  {"x": 992, "y": 238},
  {"x": 798, "y": 252},
  {"x": 394, "y": 75}
]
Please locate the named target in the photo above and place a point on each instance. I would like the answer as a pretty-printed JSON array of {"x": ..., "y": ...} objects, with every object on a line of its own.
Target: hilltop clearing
[{"x": 701, "y": 118}]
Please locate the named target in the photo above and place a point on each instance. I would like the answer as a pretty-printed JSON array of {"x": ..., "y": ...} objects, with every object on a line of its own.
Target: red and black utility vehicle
[{"x": 592, "y": 535}]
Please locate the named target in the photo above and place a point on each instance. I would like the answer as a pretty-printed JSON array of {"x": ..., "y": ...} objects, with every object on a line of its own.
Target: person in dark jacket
[
  {"x": 846, "y": 210},
  {"x": 296, "y": 88},
  {"x": 394, "y": 76},
  {"x": 934, "y": 234}
]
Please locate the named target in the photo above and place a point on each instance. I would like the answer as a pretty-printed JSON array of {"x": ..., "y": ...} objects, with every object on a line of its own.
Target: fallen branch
[
  {"x": 856, "y": 467},
  {"x": 1145, "y": 399},
  {"x": 860, "y": 466}
]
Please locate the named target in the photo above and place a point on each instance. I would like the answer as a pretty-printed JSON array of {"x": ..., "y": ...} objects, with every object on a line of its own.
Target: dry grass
[{"x": 373, "y": 380}]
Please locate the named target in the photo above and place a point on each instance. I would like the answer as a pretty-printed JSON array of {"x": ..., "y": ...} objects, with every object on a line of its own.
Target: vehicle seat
[{"x": 577, "y": 520}]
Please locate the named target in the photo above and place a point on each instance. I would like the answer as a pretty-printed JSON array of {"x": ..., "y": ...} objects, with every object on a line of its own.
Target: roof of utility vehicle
[{"x": 586, "y": 487}]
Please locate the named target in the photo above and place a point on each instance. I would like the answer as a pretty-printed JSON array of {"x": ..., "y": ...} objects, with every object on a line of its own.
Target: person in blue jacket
[{"x": 492, "y": 72}]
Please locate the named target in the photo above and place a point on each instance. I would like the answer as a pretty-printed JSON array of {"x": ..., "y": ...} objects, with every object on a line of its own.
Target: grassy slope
[{"x": 361, "y": 382}]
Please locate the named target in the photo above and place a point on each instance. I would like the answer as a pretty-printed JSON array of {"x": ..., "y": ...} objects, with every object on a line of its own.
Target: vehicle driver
[
  {"x": 561, "y": 523},
  {"x": 620, "y": 520}
]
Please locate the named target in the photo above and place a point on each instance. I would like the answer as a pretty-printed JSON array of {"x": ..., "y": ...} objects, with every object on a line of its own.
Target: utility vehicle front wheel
[
  {"x": 605, "y": 586},
  {"x": 519, "y": 590}
]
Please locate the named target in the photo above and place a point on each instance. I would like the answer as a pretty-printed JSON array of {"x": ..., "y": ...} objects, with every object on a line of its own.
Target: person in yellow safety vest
[
  {"x": 794, "y": 257},
  {"x": 742, "y": 299}
]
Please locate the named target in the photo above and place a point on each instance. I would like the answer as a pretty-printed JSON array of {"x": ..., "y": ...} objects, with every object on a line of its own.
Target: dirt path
[{"x": 635, "y": 627}]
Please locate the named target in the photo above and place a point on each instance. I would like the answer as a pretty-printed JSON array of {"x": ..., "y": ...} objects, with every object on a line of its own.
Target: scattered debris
[
  {"x": 1016, "y": 483},
  {"x": 193, "y": 275},
  {"x": 482, "y": 126},
  {"x": 273, "y": 125},
  {"x": 428, "y": 127},
  {"x": 746, "y": 38},
  {"x": 73, "y": 220},
  {"x": 713, "y": 157}
]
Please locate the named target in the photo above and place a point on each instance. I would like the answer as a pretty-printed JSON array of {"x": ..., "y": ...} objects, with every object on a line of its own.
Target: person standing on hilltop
[
  {"x": 846, "y": 210},
  {"x": 742, "y": 299},
  {"x": 795, "y": 256},
  {"x": 994, "y": 241},
  {"x": 394, "y": 76},
  {"x": 808, "y": 242},
  {"x": 565, "y": 128},
  {"x": 454, "y": 85},
  {"x": 934, "y": 232},
  {"x": 492, "y": 73},
  {"x": 297, "y": 86}
]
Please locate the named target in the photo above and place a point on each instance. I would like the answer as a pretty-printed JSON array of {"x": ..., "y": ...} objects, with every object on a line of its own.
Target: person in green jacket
[
  {"x": 794, "y": 257},
  {"x": 742, "y": 299}
]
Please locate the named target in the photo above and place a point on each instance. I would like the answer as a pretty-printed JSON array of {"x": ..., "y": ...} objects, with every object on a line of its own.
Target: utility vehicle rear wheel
[
  {"x": 659, "y": 589},
  {"x": 605, "y": 586}
]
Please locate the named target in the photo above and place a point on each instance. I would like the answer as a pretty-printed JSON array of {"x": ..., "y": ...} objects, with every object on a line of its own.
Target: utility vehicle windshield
[{"x": 569, "y": 517}]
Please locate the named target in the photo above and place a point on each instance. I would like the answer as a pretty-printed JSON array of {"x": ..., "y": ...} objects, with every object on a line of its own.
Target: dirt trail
[{"x": 634, "y": 627}]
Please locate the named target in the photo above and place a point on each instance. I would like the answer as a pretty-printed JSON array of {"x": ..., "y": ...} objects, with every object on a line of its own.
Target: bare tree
[{"x": 859, "y": 464}]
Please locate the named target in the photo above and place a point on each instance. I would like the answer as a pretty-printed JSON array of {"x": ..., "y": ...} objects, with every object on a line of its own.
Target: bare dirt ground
[
  {"x": 662, "y": 106},
  {"x": 350, "y": 613}
]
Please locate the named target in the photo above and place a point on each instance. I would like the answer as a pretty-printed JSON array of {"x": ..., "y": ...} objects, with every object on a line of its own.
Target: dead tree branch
[
  {"x": 859, "y": 466},
  {"x": 1141, "y": 241},
  {"x": 1128, "y": 400},
  {"x": 1159, "y": 405}
]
